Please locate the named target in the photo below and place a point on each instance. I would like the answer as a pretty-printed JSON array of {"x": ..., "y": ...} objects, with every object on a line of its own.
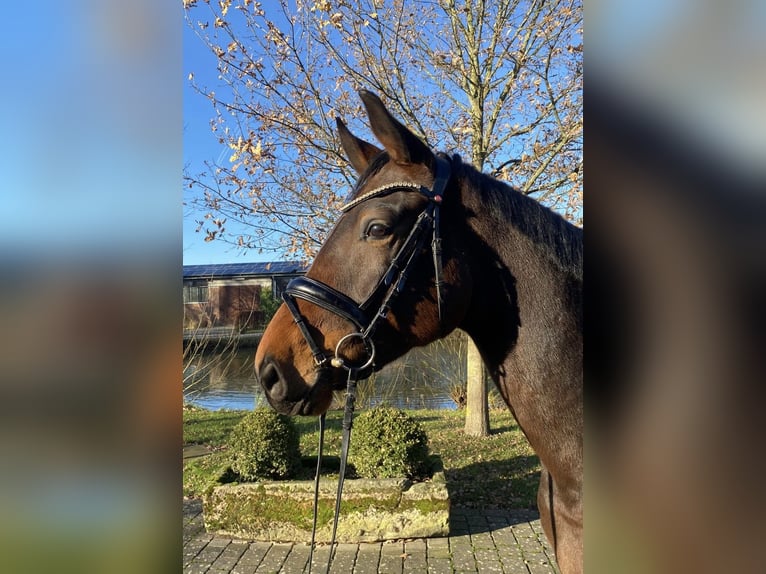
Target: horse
[{"x": 501, "y": 267}]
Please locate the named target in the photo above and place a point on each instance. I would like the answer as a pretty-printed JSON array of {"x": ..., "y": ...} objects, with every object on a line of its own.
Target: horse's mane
[{"x": 561, "y": 240}]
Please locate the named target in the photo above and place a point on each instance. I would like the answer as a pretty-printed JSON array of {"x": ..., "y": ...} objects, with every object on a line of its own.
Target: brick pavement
[{"x": 509, "y": 542}]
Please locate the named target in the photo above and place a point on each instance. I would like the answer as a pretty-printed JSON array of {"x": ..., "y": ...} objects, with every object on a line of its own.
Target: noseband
[{"x": 389, "y": 286}]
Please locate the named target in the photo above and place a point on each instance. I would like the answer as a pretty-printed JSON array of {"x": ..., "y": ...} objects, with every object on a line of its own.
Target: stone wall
[{"x": 371, "y": 510}]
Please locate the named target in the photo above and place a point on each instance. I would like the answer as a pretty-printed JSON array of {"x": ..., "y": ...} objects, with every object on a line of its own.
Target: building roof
[{"x": 244, "y": 269}]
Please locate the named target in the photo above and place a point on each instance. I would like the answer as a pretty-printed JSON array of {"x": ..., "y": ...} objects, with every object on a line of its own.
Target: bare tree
[{"x": 499, "y": 81}]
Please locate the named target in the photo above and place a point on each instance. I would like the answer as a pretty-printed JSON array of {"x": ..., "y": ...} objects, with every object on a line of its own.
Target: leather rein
[{"x": 388, "y": 288}]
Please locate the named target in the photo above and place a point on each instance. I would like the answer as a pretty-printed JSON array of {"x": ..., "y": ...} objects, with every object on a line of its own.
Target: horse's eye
[{"x": 378, "y": 230}]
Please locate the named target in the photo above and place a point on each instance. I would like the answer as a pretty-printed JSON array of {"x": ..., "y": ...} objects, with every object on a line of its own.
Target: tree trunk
[
  {"x": 476, "y": 403},
  {"x": 477, "y": 407}
]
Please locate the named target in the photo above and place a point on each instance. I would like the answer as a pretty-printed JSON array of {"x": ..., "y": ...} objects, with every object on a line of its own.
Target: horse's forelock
[{"x": 375, "y": 166}]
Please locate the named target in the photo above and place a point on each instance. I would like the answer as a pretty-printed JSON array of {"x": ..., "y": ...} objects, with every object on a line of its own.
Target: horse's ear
[
  {"x": 358, "y": 151},
  {"x": 402, "y": 145}
]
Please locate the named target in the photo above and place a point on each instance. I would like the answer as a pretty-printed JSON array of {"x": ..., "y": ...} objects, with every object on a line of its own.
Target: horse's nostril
[
  {"x": 268, "y": 375},
  {"x": 272, "y": 382}
]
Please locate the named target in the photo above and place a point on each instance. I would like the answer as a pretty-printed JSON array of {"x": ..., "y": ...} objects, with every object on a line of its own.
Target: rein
[
  {"x": 390, "y": 286},
  {"x": 348, "y": 419}
]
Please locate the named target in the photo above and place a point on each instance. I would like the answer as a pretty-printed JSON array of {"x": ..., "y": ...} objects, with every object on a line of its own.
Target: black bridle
[{"x": 389, "y": 287}]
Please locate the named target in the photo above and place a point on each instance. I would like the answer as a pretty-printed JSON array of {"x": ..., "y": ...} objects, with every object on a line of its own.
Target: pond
[{"x": 422, "y": 379}]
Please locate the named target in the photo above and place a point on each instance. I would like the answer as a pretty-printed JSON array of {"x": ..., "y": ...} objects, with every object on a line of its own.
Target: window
[{"x": 195, "y": 293}]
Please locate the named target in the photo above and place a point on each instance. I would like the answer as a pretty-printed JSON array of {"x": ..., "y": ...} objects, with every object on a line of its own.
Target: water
[{"x": 420, "y": 380}]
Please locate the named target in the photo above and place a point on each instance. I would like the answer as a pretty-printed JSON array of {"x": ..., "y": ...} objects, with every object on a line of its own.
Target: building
[{"x": 228, "y": 295}]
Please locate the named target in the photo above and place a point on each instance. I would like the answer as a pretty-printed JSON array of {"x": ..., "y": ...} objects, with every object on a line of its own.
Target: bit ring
[{"x": 338, "y": 361}]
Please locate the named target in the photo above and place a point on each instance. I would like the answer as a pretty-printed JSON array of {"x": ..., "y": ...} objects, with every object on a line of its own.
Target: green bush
[
  {"x": 388, "y": 443},
  {"x": 264, "y": 444}
]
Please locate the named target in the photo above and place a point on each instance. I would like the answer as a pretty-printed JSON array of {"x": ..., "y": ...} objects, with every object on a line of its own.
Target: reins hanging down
[
  {"x": 390, "y": 286},
  {"x": 348, "y": 419}
]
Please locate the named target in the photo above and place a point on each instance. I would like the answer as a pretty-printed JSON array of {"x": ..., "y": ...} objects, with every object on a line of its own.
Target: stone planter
[{"x": 372, "y": 510}]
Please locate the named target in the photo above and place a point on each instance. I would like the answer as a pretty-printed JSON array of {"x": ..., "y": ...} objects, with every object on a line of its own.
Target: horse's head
[{"x": 372, "y": 261}]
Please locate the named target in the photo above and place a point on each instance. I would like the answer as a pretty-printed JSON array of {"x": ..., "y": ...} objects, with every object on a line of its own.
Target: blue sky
[
  {"x": 199, "y": 146},
  {"x": 89, "y": 149}
]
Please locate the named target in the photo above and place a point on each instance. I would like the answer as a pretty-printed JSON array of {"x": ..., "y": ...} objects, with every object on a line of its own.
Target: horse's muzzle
[{"x": 293, "y": 397}]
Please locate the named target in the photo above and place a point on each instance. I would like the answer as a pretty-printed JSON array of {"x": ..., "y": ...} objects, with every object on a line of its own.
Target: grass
[{"x": 498, "y": 471}]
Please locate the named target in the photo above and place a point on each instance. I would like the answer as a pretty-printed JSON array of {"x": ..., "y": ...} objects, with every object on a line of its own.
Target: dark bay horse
[{"x": 501, "y": 267}]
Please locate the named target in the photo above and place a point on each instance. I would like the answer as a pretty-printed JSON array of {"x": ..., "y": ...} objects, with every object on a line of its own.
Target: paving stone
[
  {"x": 345, "y": 556},
  {"x": 368, "y": 558},
  {"x": 391, "y": 558},
  {"x": 547, "y": 568},
  {"x": 193, "y": 548},
  {"x": 551, "y": 559},
  {"x": 296, "y": 560},
  {"x": 230, "y": 555},
  {"x": 392, "y": 549},
  {"x": 488, "y": 561},
  {"x": 458, "y": 526},
  {"x": 462, "y": 556},
  {"x": 254, "y": 553},
  {"x": 192, "y": 530},
  {"x": 439, "y": 566},
  {"x": 537, "y": 527},
  {"x": 246, "y": 568},
  {"x": 496, "y": 522},
  {"x": 513, "y": 564},
  {"x": 460, "y": 539},
  {"x": 477, "y": 524},
  {"x": 321, "y": 556},
  {"x": 415, "y": 556},
  {"x": 483, "y": 540},
  {"x": 275, "y": 557},
  {"x": 390, "y": 564},
  {"x": 437, "y": 552},
  {"x": 207, "y": 555},
  {"x": 437, "y": 543},
  {"x": 219, "y": 542}
]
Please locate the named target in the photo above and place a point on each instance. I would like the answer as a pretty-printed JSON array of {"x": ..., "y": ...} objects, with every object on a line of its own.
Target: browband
[
  {"x": 440, "y": 181},
  {"x": 383, "y": 189}
]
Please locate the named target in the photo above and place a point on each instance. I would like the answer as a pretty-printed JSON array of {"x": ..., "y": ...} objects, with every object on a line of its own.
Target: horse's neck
[
  {"x": 526, "y": 269},
  {"x": 525, "y": 318}
]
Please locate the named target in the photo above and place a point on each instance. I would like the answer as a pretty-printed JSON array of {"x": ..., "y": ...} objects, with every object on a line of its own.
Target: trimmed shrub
[
  {"x": 388, "y": 443},
  {"x": 264, "y": 444}
]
